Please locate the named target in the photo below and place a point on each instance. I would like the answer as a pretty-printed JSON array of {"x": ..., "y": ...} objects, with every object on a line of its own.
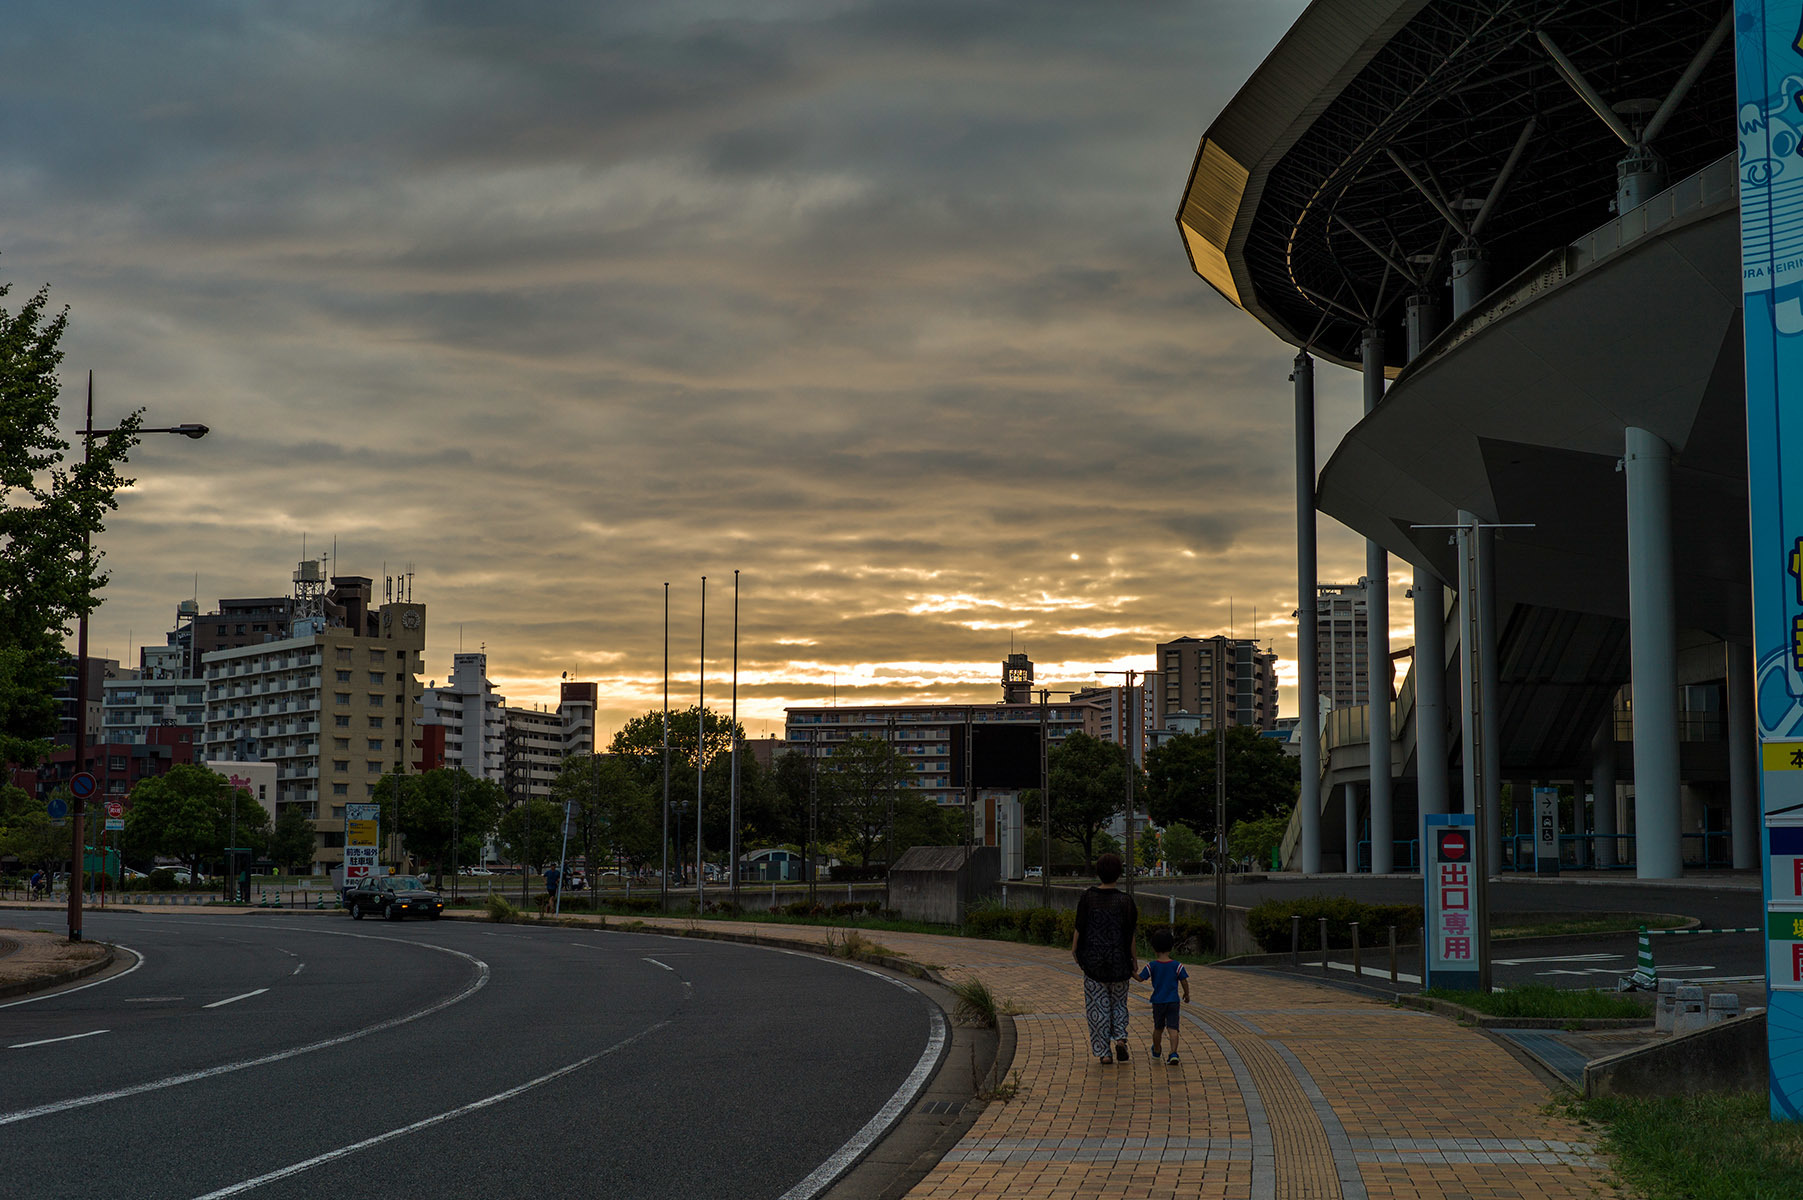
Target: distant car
[
  {"x": 1035, "y": 872},
  {"x": 394, "y": 897},
  {"x": 478, "y": 871}
]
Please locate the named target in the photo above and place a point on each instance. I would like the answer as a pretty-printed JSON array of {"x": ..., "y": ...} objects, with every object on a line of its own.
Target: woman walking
[{"x": 1107, "y": 920}]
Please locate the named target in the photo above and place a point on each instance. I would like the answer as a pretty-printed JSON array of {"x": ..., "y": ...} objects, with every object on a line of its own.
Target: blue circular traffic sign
[
  {"x": 59, "y": 808},
  {"x": 82, "y": 785}
]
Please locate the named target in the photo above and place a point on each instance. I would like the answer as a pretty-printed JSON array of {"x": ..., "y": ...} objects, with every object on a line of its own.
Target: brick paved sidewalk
[{"x": 1286, "y": 1089}]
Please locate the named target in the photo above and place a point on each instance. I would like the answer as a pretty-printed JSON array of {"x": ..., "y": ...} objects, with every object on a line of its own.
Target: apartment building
[
  {"x": 332, "y": 706},
  {"x": 1114, "y": 718},
  {"x": 537, "y": 740},
  {"x": 470, "y": 711},
  {"x": 157, "y": 694},
  {"x": 1341, "y": 649},
  {"x": 1233, "y": 680}
]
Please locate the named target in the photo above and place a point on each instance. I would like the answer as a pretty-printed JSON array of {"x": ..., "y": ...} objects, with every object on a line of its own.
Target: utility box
[{"x": 936, "y": 883}]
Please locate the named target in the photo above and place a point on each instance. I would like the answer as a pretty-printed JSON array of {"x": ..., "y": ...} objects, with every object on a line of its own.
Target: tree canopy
[
  {"x": 50, "y": 502},
  {"x": 187, "y": 814},
  {"x": 1180, "y": 779},
  {"x": 440, "y": 810},
  {"x": 1089, "y": 789}
]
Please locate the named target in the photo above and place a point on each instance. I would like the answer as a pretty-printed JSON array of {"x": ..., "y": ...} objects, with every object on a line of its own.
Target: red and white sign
[{"x": 115, "y": 808}]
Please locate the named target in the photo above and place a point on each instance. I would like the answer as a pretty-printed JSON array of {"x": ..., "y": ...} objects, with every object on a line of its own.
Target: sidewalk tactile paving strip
[{"x": 1287, "y": 1091}]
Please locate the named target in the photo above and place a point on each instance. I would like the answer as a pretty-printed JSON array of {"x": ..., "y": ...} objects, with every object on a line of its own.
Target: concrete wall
[
  {"x": 935, "y": 883},
  {"x": 1729, "y": 1057}
]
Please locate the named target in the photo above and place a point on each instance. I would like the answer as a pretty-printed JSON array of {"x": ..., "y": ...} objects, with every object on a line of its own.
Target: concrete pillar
[
  {"x": 1422, "y": 321},
  {"x": 1602, "y": 785},
  {"x": 1653, "y": 646},
  {"x": 1743, "y": 751},
  {"x": 1430, "y": 692},
  {"x": 1351, "y": 793},
  {"x": 1481, "y": 752},
  {"x": 1580, "y": 823},
  {"x": 1490, "y": 676},
  {"x": 1377, "y": 650},
  {"x": 1308, "y": 685},
  {"x": 1470, "y": 278}
]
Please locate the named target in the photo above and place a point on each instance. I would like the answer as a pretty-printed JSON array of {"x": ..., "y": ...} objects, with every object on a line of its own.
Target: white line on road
[
  {"x": 84, "y": 987},
  {"x": 151, "y": 999},
  {"x": 46, "y": 1041},
  {"x": 235, "y": 999},
  {"x": 298, "y": 968},
  {"x": 366, "y": 1143},
  {"x": 655, "y": 963},
  {"x": 169, "y": 1081}
]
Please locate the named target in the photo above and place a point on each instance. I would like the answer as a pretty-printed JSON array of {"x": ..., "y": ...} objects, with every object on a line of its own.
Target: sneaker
[
  {"x": 1120, "y": 1052},
  {"x": 1172, "y": 1060}
]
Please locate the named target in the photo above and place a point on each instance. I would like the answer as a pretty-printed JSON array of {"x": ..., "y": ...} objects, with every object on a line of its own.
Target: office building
[
  {"x": 1231, "y": 680},
  {"x": 1342, "y": 647}
]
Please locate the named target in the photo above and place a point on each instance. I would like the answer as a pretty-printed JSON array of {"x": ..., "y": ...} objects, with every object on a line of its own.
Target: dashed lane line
[
  {"x": 235, "y": 999},
  {"x": 65, "y": 1038}
]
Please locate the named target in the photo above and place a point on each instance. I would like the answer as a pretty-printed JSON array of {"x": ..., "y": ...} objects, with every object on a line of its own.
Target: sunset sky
[{"x": 881, "y": 304}]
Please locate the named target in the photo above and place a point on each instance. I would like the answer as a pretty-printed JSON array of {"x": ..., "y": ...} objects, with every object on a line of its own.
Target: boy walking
[{"x": 1169, "y": 981}]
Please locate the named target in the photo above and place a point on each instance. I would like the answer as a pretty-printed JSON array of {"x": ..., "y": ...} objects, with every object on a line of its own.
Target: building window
[
  {"x": 376, "y": 678},
  {"x": 341, "y": 698},
  {"x": 344, "y": 654},
  {"x": 344, "y": 677},
  {"x": 375, "y": 700},
  {"x": 375, "y": 743},
  {"x": 342, "y": 722},
  {"x": 341, "y": 765},
  {"x": 374, "y": 768},
  {"x": 341, "y": 743},
  {"x": 341, "y": 789},
  {"x": 375, "y": 722},
  {"x": 376, "y": 657}
]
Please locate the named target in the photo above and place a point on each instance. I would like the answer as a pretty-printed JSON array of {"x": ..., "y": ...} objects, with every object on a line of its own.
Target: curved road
[{"x": 295, "y": 1056}]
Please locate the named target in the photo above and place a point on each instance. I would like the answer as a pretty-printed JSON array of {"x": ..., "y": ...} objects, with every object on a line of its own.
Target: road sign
[
  {"x": 59, "y": 808},
  {"x": 115, "y": 824},
  {"x": 82, "y": 785},
  {"x": 1449, "y": 931},
  {"x": 1546, "y": 831},
  {"x": 115, "y": 808}
]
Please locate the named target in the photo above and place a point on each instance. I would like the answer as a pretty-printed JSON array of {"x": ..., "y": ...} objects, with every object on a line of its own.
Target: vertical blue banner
[{"x": 1768, "y": 50}]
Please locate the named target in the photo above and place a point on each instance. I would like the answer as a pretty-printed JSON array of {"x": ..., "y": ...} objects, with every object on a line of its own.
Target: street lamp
[
  {"x": 78, "y": 811},
  {"x": 1045, "y": 794},
  {"x": 1133, "y": 712}
]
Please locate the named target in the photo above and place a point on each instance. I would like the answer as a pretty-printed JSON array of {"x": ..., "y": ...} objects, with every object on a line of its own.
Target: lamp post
[
  {"x": 1133, "y": 712},
  {"x": 78, "y": 810},
  {"x": 1045, "y": 794}
]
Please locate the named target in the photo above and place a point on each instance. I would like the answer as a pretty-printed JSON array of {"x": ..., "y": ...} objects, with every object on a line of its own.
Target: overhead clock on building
[{"x": 410, "y": 618}]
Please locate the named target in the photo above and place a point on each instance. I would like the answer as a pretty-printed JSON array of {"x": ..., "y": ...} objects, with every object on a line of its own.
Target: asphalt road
[{"x": 306, "y": 1055}]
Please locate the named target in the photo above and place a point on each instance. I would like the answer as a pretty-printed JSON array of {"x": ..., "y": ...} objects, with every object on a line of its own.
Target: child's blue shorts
[{"x": 1165, "y": 1014}]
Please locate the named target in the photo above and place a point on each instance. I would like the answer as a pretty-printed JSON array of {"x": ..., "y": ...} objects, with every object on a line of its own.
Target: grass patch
[
  {"x": 1539, "y": 1000},
  {"x": 1555, "y": 926},
  {"x": 500, "y": 910},
  {"x": 1719, "y": 1147},
  {"x": 976, "y": 1004},
  {"x": 1002, "y": 1092}
]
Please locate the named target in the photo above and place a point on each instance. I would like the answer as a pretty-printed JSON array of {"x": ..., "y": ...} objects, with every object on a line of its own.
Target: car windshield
[{"x": 406, "y": 883}]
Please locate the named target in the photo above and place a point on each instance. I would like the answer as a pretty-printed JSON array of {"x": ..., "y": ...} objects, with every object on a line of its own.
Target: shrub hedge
[
  {"x": 1269, "y": 923},
  {"x": 1056, "y": 927}
]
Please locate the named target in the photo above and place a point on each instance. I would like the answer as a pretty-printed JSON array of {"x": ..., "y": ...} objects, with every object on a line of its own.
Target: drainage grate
[{"x": 943, "y": 1108}]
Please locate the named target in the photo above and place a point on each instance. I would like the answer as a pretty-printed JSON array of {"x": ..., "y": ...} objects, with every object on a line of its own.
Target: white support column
[
  {"x": 1308, "y": 687},
  {"x": 1350, "y": 793},
  {"x": 1481, "y": 753},
  {"x": 1490, "y": 676},
  {"x": 1430, "y": 692},
  {"x": 1653, "y": 644},
  {"x": 1743, "y": 750},
  {"x": 1602, "y": 785},
  {"x": 1377, "y": 646}
]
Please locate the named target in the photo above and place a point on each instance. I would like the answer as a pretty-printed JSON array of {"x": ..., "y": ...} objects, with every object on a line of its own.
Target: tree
[
  {"x": 531, "y": 833},
  {"x": 1257, "y": 837},
  {"x": 178, "y": 814},
  {"x": 292, "y": 843},
  {"x": 1180, "y": 779},
  {"x": 1183, "y": 844},
  {"x": 866, "y": 776},
  {"x": 1089, "y": 789},
  {"x": 50, "y": 506},
  {"x": 444, "y": 806},
  {"x": 1148, "y": 847},
  {"x": 614, "y": 814},
  {"x": 27, "y": 832}
]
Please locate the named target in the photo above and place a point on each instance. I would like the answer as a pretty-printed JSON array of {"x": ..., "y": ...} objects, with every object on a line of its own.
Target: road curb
[
  {"x": 9, "y": 990},
  {"x": 1471, "y": 1016}
]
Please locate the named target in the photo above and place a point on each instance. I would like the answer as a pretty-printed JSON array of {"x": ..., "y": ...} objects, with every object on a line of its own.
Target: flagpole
[
  {"x": 733, "y": 854},
  {"x": 701, "y": 754},
  {"x": 664, "y": 879}
]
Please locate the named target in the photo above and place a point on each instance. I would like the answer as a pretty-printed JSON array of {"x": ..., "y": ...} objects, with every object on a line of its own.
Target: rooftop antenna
[{"x": 1230, "y": 618}]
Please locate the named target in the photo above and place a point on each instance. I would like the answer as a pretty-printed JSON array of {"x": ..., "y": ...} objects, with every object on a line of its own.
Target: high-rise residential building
[
  {"x": 538, "y": 740},
  {"x": 469, "y": 709},
  {"x": 68, "y": 684},
  {"x": 1114, "y": 719},
  {"x": 157, "y": 694},
  {"x": 332, "y": 705},
  {"x": 1233, "y": 680},
  {"x": 1342, "y": 652}
]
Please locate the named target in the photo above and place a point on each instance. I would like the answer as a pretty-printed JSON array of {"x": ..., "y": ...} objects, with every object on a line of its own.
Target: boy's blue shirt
[{"x": 1164, "y": 977}]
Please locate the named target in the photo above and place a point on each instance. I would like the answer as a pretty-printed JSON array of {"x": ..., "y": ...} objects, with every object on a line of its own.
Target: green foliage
[
  {"x": 184, "y": 814},
  {"x": 1182, "y": 844},
  {"x": 1180, "y": 779},
  {"x": 499, "y": 910},
  {"x": 643, "y": 738},
  {"x": 866, "y": 777},
  {"x": 975, "y": 1003},
  {"x": 1269, "y": 923},
  {"x": 1189, "y": 935},
  {"x": 615, "y": 815},
  {"x": 531, "y": 833},
  {"x": 1256, "y": 837},
  {"x": 161, "y": 880},
  {"x": 51, "y": 503},
  {"x": 1538, "y": 1000},
  {"x": 1708, "y": 1147},
  {"x": 441, "y": 806},
  {"x": 27, "y": 831},
  {"x": 292, "y": 842},
  {"x": 1088, "y": 778}
]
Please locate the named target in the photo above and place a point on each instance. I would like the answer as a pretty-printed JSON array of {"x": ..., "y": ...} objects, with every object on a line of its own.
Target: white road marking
[
  {"x": 84, "y": 987},
  {"x": 169, "y": 1081},
  {"x": 655, "y": 963},
  {"x": 151, "y": 999},
  {"x": 298, "y": 968},
  {"x": 235, "y": 999},
  {"x": 46, "y": 1041},
  {"x": 485, "y": 1102},
  {"x": 1553, "y": 958}
]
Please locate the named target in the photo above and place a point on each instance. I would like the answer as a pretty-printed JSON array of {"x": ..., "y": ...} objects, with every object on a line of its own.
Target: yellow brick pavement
[{"x": 1286, "y": 1090}]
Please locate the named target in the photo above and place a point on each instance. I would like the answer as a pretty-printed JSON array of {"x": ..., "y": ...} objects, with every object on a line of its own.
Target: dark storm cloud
[{"x": 553, "y": 302}]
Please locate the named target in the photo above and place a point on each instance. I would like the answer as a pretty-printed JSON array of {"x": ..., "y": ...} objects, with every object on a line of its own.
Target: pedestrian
[
  {"x": 552, "y": 876},
  {"x": 1107, "y": 920},
  {"x": 1170, "y": 991}
]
